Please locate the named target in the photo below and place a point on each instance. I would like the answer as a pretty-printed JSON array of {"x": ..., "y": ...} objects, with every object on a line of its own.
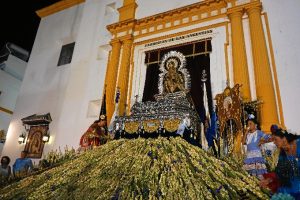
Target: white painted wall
[
  {"x": 10, "y": 84},
  {"x": 15, "y": 67},
  {"x": 87, "y": 76},
  {"x": 284, "y": 25},
  {"x": 147, "y": 8},
  {"x": 64, "y": 91}
]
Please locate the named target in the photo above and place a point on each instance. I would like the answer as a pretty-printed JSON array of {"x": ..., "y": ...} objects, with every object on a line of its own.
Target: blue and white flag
[{"x": 212, "y": 130}]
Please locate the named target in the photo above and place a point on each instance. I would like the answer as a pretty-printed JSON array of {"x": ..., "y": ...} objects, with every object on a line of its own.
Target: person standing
[
  {"x": 22, "y": 165},
  {"x": 254, "y": 162},
  {"x": 5, "y": 171},
  {"x": 287, "y": 171}
]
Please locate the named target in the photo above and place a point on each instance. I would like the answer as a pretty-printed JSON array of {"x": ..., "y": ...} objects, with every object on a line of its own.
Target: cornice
[
  {"x": 127, "y": 24},
  {"x": 256, "y": 5},
  {"x": 171, "y": 14},
  {"x": 209, "y": 4},
  {"x": 56, "y": 7}
]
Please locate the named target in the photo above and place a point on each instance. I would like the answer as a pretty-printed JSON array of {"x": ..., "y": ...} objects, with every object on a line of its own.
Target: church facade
[{"x": 115, "y": 43}]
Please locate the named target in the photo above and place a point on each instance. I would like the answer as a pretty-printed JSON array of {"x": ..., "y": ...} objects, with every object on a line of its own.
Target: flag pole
[
  {"x": 207, "y": 114},
  {"x": 103, "y": 103}
]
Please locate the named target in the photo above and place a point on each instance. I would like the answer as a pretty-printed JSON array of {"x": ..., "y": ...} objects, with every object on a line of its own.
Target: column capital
[
  {"x": 235, "y": 12},
  {"x": 127, "y": 40},
  {"x": 254, "y": 7},
  {"x": 114, "y": 42}
]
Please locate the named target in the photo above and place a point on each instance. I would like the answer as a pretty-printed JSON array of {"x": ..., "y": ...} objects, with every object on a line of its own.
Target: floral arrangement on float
[{"x": 159, "y": 168}]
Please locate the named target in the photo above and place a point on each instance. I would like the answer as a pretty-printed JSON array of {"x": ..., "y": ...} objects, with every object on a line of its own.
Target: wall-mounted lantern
[{"x": 21, "y": 138}]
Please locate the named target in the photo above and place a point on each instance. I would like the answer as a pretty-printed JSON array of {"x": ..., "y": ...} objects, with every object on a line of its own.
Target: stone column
[
  {"x": 123, "y": 78},
  {"x": 239, "y": 57},
  {"x": 263, "y": 75},
  {"x": 111, "y": 78}
]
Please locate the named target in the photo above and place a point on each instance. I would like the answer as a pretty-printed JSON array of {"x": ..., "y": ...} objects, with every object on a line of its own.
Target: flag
[
  {"x": 207, "y": 122},
  {"x": 212, "y": 129},
  {"x": 205, "y": 103},
  {"x": 204, "y": 143},
  {"x": 116, "y": 112},
  {"x": 103, "y": 106}
]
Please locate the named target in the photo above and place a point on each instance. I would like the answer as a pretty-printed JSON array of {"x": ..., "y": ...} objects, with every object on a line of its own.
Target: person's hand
[
  {"x": 247, "y": 130},
  {"x": 261, "y": 141},
  {"x": 265, "y": 182}
]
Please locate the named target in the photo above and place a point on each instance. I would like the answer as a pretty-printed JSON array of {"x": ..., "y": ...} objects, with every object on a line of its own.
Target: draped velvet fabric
[{"x": 197, "y": 59}]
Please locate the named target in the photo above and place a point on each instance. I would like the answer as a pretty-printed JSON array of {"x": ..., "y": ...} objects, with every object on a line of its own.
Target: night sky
[{"x": 19, "y": 22}]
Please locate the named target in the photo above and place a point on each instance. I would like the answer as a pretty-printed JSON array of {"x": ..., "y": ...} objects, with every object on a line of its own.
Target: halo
[{"x": 174, "y": 60}]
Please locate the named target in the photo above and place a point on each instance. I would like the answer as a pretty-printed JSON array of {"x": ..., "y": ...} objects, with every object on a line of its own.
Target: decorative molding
[
  {"x": 56, "y": 7},
  {"x": 6, "y": 110},
  {"x": 181, "y": 37},
  {"x": 173, "y": 19},
  {"x": 208, "y": 27}
]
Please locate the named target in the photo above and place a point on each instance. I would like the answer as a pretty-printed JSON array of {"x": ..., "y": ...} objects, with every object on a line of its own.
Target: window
[
  {"x": 93, "y": 108},
  {"x": 110, "y": 8},
  {"x": 103, "y": 51},
  {"x": 66, "y": 54}
]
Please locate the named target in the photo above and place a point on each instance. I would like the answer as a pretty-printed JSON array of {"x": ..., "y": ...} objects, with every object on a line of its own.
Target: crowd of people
[
  {"x": 285, "y": 179},
  {"x": 21, "y": 167}
]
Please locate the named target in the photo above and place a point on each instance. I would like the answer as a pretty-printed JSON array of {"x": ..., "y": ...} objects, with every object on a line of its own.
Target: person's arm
[
  {"x": 30, "y": 165},
  {"x": 264, "y": 183},
  {"x": 14, "y": 169},
  {"x": 9, "y": 171},
  {"x": 265, "y": 138},
  {"x": 245, "y": 136}
]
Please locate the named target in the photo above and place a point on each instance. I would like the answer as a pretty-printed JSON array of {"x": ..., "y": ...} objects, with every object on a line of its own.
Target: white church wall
[
  {"x": 148, "y": 8},
  {"x": 283, "y": 22},
  {"x": 44, "y": 85},
  {"x": 9, "y": 87},
  {"x": 15, "y": 67},
  {"x": 66, "y": 91},
  {"x": 87, "y": 76}
]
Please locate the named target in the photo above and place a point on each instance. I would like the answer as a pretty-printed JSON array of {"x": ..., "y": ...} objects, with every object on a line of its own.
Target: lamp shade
[{"x": 46, "y": 138}]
